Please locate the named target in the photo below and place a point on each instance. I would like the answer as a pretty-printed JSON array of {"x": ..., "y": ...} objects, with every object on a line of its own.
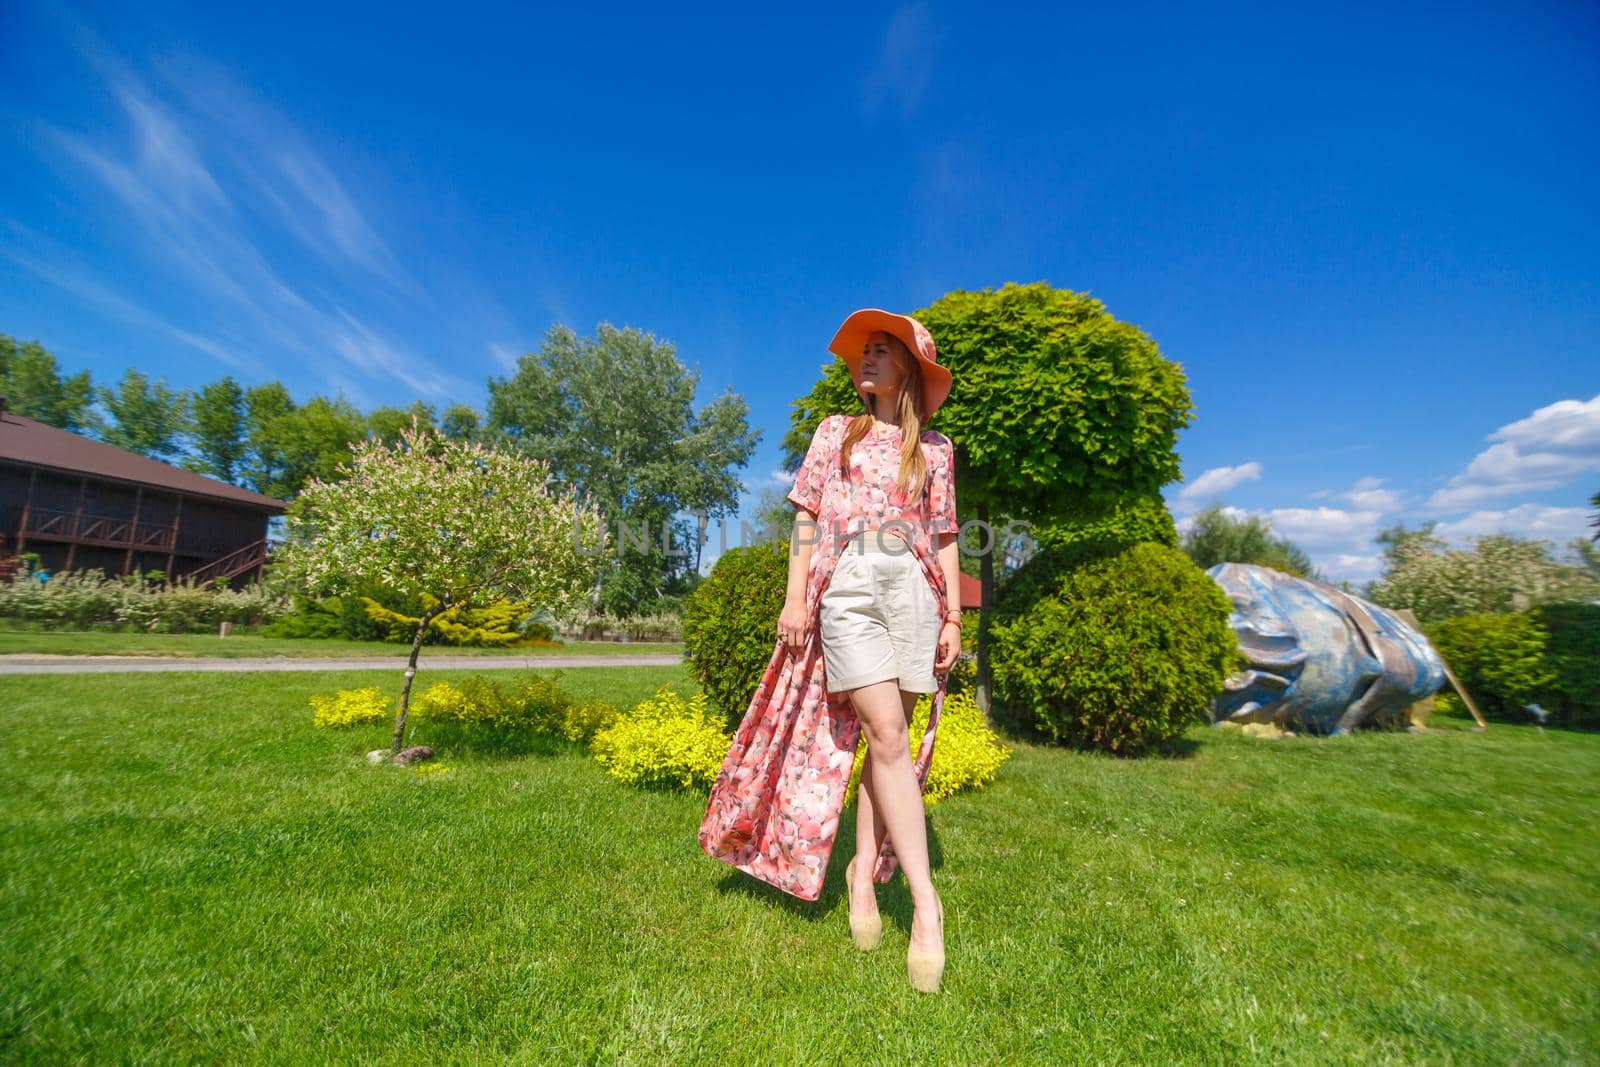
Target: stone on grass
[
  {"x": 377, "y": 755},
  {"x": 409, "y": 756}
]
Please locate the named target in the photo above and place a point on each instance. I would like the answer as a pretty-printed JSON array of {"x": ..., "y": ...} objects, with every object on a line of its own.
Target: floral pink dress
[{"x": 775, "y": 805}]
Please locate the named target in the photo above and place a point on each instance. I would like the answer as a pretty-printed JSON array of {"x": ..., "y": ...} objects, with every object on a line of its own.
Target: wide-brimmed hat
[{"x": 852, "y": 336}]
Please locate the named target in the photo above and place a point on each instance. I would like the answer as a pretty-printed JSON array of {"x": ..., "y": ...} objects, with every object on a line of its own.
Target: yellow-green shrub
[
  {"x": 534, "y": 703},
  {"x": 966, "y": 753},
  {"x": 352, "y": 707},
  {"x": 663, "y": 741},
  {"x": 581, "y": 722},
  {"x": 493, "y": 626}
]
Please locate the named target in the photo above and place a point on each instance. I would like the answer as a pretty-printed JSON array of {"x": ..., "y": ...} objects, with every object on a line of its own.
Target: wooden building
[{"x": 81, "y": 503}]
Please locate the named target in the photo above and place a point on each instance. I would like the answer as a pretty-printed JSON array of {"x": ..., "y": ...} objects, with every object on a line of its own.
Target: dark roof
[{"x": 38, "y": 444}]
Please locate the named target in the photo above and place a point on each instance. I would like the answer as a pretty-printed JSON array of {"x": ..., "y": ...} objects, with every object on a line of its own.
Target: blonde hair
[{"x": 908, "y": 412}]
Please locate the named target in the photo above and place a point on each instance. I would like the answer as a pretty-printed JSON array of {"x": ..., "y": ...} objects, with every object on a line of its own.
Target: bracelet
[{"x": 955, "y": 619}]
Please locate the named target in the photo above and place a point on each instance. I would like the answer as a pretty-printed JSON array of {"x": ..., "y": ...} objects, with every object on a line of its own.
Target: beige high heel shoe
[
  {"x": 865, "y": 930},
  {"x": 924, "y": 969}
]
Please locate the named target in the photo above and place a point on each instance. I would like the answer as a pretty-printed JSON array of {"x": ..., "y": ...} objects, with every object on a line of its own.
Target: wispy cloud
[
  {"x": 905, "y": 65},
  {"x": 1554, "y": 524},
  {"x": 248, "y": 225},
  {"x": 1368, "y": 493},
  {"x": 1546, "y": 450}
]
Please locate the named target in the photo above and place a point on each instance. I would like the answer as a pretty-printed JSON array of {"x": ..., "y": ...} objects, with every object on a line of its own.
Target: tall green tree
[
  {"x": 1057, "y": 409},
  {"x": 460, "y": 422},
  {"x": 145, "y": 416},
  {"x": 387, "y": 423},
  {"x": 312, "y": 441},
  {"x": 32, "y": 384},
  {"x": 1214, "y": 537},
  {"x": 217, "y": 429},
  {"x": 264, "y": 463},
  {"x": 614, "y": 416}
]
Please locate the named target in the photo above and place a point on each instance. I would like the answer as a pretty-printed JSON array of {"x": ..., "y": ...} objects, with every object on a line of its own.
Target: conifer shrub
[
  {"x": 1121, "y": 653},
  {"x": 730, "y": 624},
  {"x": 664, "y": 742}
]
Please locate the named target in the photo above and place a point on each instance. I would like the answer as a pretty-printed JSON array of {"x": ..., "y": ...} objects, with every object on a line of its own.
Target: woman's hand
[
  {"x": 792, "y": 625},
  {"x": 949, "y": 647}
]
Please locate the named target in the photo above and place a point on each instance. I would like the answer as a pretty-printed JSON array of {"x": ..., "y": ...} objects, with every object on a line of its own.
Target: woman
[{"x": 864, "y": 630}]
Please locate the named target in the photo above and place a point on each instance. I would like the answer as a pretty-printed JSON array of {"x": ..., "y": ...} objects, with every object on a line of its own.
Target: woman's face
[{"x": 882, "y": 369}]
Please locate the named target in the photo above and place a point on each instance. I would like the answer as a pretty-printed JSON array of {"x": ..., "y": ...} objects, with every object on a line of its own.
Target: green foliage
[
  {"x": 664, "y": 741},
  {"x": 1572, "y": 656},
  {"x": 492, "y": 626},
  {"x": 1498, "y": 658},
  {"x": 1064, "y": 545},
  {"x": 580, "y": 722},
  {"x": 1215, "y": 537},
  {"x": 730, "y": 624},
  {"x": 311, "y": 618},
  {"x": 146, "y": 417},
  {"x": 966, "y": 752},
  {"x": 32, "y": 384},
  {"x": 614, "y": 416},
  {"x": 1125, "y": 652},
  {"x": 482, "y": 712},
  {"x": 217, "y": 429},
  {"x": 1500, "y": 574},
  {"x": 79, "y": 600},
  {"x": 1549, "y": 656},
  {"x": 352, "y": 707}
]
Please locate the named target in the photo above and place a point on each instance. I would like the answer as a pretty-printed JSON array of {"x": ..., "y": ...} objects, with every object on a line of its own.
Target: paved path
[{"x": 43, "y": 663}]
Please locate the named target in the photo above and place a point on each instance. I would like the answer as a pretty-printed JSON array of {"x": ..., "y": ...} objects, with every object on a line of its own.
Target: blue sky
[{"x": 1370, "y": 238}]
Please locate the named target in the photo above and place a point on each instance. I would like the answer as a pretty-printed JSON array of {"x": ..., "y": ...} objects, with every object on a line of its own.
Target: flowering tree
[
  {"x": 1500, "y": 574},
  {"x": 458, "y": 521}
]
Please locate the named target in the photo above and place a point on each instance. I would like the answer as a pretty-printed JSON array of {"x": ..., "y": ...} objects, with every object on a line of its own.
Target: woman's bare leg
[{"x": 894, "y": 802}]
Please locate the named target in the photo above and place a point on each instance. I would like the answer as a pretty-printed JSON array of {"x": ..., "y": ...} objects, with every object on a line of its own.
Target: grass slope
[{"x": 191, "y": 871}]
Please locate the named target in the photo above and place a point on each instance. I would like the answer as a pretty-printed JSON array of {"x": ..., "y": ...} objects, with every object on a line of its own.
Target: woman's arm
[{"x": 794, "y": 620}]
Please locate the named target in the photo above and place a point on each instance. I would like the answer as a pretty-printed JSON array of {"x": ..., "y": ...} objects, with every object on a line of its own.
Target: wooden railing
[
  {"x": 233, "y": 564},
  {"x": 97, "y": 529}
]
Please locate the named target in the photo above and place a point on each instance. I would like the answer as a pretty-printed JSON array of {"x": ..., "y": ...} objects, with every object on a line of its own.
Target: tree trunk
[
  {"x": 411, "y": 671},
  {"x": 985, "y": 599}
]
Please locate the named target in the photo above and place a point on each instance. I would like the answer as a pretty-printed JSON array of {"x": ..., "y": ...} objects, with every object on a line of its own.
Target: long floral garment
[{"x": 775, "y": 806}]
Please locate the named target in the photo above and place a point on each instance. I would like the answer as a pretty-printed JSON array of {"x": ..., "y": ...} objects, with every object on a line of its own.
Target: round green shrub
[
  {"x": 1124, "y": 653},
  {"x": 1065, "y": 545},
  {"x": 1499, "y": 659},
  {"x": 730, "y": 624}
]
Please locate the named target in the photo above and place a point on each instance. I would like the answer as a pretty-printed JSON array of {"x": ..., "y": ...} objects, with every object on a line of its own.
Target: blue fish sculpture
[{"x": 1319, "y": 658}]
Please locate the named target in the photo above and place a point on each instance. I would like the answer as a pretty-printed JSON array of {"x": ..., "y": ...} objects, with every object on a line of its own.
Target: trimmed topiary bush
[
  {"x": 730, "y": 624},
  {"x": 1572, "y": 656},
  {"x": 1064, "y": 546},
  {"x": 663, "y": 742},
  {"x": 1120, "y": 654},
  {"x": 1500, "y": 659},
  {"x": 966, "y": 754}
]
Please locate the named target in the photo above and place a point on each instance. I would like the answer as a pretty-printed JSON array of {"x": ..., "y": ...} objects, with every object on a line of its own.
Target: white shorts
[{"x": 879, "y": 618}]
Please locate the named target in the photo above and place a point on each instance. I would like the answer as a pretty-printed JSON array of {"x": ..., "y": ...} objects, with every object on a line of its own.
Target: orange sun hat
[{"x": 852, "y": 337}]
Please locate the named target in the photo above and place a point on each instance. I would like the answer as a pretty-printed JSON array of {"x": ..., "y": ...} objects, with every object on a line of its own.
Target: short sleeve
[
  {"x": 812, "y": 478},
  {"x": 942, "y": 489}
]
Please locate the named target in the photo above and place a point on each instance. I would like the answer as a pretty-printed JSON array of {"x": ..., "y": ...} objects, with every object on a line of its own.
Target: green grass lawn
[
  {"x": 193, "y": 872},
  {"x": 106, "y": 643}
]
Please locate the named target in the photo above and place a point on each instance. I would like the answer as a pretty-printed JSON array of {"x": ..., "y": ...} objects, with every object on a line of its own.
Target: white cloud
[
  {"x": 1325, "y": 529},
  {"x": 1558, "y": 525},
  {"x": 1345, "y": 567},
  {"x": 1217, "y": 480},
  {"x": 1368, "y": 494},
  {"x": 1546, "y": 450}
]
